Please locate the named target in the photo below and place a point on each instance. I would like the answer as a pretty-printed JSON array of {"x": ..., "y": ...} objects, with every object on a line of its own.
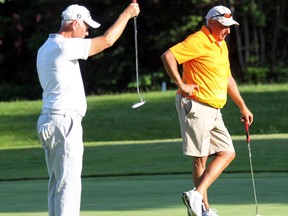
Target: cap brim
[
  {"x": 228, "y": 22},
  {"x": 92, "y": 23}
]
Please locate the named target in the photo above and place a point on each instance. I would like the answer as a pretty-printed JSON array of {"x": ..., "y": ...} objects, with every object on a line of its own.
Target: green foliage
[
  {"x": 257, "y": 74},
  {"x": 151, "y": 81},
  {"x": 258, "y": 17},
  {"x": 279, "y": 74},
  {"x": 14, "y": 91},
  {"x": 25, "y": 25}
]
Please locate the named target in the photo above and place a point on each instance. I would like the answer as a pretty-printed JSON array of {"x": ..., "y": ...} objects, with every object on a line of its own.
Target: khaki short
[{"x": 202, "y": 128}]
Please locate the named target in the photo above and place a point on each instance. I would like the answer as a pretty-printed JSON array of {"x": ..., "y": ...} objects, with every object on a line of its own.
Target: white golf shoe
[
  {"x": 210, "y": 212},
  {"x": 193, "y": 201}
]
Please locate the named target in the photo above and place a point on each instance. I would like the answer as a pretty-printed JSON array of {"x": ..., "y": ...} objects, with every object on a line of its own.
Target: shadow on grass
[
  {"x": 146, "y": 192},
  {"x": 18, "y": 131},
  {"x": 111, "y": 118},
  {"x": 142, "y": 159},
  {"x": 139, "y": 190},
  {"x": 157, "y": 119}
]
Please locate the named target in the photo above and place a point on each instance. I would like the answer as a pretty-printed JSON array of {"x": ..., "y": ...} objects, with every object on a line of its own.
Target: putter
[
  {"x": 251, "y": 165},
  {"x": 142, "y": 102}
]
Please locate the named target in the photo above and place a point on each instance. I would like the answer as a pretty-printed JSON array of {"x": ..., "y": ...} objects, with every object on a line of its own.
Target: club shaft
[
  {"x": 136, "y": 57},
  {"x": 251, "y": 164},
  {"x": 252, "y": 175}
]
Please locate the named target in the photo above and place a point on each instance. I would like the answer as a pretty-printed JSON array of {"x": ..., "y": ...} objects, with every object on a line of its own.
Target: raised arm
[{"x": 114, "y": 32}]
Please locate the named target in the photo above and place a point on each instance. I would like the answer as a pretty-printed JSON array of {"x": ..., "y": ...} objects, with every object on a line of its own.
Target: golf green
[{"x": 157, "y": 195}]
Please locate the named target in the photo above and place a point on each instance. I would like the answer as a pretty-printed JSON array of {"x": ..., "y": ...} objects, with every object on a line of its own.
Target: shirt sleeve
[
  {"x": 76, "y": 48},
  {"x": 187, "y": 49}
]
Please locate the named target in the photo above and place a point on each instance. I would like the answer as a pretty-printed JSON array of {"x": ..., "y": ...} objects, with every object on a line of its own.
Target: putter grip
[{"x": 247, "y": 131}]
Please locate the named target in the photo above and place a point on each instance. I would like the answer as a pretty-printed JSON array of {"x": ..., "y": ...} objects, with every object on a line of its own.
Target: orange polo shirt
[{"x": 205, "y": 63}]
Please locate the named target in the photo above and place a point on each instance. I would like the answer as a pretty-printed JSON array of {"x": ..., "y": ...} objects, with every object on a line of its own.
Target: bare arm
[
  {"x": 234, "y": 93},
  {"x": 114, "y": 32},
  {"x": 171, "y": 67}
]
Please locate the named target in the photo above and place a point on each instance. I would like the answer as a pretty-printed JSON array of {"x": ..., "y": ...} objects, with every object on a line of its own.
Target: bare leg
[
  {"x": 213, "y": 171},
  {"x": 199, "y": 167}
]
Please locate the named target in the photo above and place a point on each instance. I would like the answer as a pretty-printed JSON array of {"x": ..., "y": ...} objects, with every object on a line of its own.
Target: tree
[{"x": 258, "y": 47}]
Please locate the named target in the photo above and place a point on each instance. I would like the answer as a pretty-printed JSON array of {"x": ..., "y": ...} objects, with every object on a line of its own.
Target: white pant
[{"x": 64, "y": 155}]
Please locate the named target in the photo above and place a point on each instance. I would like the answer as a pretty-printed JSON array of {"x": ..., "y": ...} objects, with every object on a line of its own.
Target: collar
[{"x": 207, "y": 32}]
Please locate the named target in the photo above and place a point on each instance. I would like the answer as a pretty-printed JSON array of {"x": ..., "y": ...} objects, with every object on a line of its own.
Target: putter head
[{"x": 136, "y": 105}]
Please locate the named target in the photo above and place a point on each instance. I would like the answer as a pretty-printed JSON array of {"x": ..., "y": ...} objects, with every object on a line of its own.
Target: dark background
[{"x": 258, "y": 47}]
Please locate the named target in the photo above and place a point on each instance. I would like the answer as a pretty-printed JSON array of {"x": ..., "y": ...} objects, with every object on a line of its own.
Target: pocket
[
  {"x": 68, "y": 126},
  {"x": 186, "y": 105}
]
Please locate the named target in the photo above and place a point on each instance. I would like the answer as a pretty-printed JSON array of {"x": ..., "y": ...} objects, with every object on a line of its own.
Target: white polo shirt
[{"x": 59, "y": 73}]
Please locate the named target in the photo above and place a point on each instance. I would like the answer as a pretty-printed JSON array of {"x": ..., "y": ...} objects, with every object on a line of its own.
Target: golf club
[
  {"x": 142, "y": 102},
  {"x": 251, "y": 165}
]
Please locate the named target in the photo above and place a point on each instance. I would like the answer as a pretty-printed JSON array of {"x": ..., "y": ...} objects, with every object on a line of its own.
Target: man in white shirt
[{"x": 64, "y": 102}]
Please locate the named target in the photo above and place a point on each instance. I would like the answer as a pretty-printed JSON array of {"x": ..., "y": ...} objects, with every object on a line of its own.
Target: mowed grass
[
  {"x": 111, "y": 118},
  {"x": 124, "y": 141},
  {"x": 133, "y": 162},
  {"x": 152, "y": 195},
  {"x": 146, "y": 158}
]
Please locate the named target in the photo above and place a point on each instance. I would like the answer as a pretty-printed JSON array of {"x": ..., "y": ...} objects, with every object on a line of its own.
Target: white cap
[
  {"x": 78, "y": 12},
  {"x": 222, "y": 14}
]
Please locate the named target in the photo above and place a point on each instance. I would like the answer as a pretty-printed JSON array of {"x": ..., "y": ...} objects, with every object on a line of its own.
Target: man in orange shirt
[{"x": 202, "y": 92}]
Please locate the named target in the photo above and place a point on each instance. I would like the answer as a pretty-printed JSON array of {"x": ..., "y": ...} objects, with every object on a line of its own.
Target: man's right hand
[
  {"x": 133, "y": 10},
  {"x": 189, "y": 88}
]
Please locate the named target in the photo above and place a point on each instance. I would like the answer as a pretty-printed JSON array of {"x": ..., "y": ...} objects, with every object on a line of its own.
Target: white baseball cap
[
  {"x": 222, "y": 14},
  {"x": 78, "y": 12}
]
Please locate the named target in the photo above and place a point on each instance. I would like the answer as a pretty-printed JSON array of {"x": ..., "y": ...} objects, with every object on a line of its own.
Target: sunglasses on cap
[{"x": 226, "y": 15}]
